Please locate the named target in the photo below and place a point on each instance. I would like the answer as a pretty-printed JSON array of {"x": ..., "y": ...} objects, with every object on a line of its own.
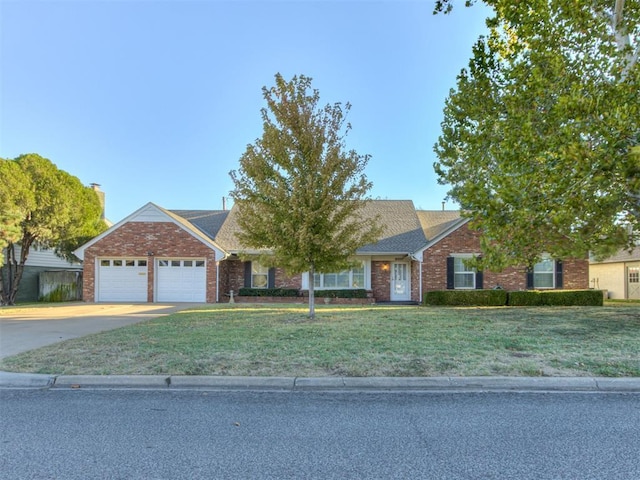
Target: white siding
[{"x": 46, "y": 258}]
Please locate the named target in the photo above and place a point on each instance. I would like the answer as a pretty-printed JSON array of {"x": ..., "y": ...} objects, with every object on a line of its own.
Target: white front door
[{"x": 400, "y": 282}]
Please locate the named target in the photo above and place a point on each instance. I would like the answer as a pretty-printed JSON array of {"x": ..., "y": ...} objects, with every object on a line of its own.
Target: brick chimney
[{"x": 96, "y": 188}]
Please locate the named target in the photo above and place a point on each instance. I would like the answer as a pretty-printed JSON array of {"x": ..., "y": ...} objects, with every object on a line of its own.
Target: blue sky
[{"x": 157, "y": 100}]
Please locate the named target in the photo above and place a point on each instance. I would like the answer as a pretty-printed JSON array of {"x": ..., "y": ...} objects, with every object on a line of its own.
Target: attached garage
[
  {"x": 155, "y": 255},
  {"x": 122, "y": 280},
  {"x": 181, "y": 280}
]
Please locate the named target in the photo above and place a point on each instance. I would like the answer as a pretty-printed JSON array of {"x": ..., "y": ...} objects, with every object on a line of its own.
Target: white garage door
[
  {"x": 122, "y": 280},
  {"x": 181, "y": 281}
]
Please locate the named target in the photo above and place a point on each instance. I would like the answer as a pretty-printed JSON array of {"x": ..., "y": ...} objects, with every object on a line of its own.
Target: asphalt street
[{"x": 191, "y": 434}]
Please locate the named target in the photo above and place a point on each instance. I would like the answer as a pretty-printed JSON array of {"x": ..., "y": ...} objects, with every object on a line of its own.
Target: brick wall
[
  {"x": 137, "y": 239},
  {"x": 232, "y": 277},
  {"x": 464, "y": 240},
  {"x": 381, "y": 280}
]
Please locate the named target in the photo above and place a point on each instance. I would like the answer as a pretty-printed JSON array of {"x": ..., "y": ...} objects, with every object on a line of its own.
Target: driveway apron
[{"x": 23, "y": 329}]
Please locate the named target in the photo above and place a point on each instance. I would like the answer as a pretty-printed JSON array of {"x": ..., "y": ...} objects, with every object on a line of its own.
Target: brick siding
[
  {"x": 138, "y": 239},
  {"x": 464, "y": 240}
]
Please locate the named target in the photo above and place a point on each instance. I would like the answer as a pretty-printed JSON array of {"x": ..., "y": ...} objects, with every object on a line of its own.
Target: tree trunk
[
  {"x": 312, "y": 299},
  {"x": 15, "y": 270},
  {"x": 4, "y": 294}
]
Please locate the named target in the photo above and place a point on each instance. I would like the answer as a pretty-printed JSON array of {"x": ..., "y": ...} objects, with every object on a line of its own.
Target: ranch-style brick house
[{"x": 159, "y": 255}]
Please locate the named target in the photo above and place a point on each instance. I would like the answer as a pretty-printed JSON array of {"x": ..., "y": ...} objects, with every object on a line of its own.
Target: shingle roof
[
  {"x": 621, "y": 256},
  {"x": 226, "y": 236},
  {"x": 436, "y": 222},
  {"x": 208, "y": 222},
  {"x": 402, "y": 230}
]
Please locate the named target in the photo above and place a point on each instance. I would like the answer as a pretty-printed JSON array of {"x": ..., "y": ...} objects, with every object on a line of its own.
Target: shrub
[
  {"x": 340, "y": 293},
  {"x": 269, "y": 292},
  {"x": 594, "y": 298},
  {"x": 468, "y": 298}
]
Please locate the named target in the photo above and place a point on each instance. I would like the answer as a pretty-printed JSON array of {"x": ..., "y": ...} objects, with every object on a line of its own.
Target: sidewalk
[{"x": 440, "y": 384}]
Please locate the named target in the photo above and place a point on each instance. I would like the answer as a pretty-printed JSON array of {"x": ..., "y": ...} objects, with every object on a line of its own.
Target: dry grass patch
[{"x": 357, "y": 341}]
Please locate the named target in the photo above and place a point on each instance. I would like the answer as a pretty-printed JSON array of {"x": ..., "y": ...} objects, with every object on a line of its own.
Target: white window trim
[
  {"x": 367, "y": 279},
  {"x": 464, "y": 256},
  {"x": 552, "y": 273},
  {"x": 259, "y": 268}
]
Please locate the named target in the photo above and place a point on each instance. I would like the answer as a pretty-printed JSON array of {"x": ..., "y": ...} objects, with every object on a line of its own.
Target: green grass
[{"x": 279, "y": 340}]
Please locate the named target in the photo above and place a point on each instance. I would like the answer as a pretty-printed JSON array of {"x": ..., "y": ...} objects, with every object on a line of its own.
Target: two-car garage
[
  {"x": 129, "y": 279},
  {"x": 155, "y": 255}
]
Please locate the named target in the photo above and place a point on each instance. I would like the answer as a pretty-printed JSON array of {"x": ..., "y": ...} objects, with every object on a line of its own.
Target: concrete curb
[
  {"x": 449, "y": 384},
  {"x": 25, "y": 380}
]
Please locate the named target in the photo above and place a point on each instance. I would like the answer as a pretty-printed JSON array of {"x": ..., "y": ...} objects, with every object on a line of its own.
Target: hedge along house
[{"x": 159, "y": 255}]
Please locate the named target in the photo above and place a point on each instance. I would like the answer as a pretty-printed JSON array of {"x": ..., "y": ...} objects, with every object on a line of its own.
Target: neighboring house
[
  {"x": 619, "y": 274},
  {"x": 40, "y": 260},
  {"x": 39, "y": 277},
  {"x": 159, "y": 255}
]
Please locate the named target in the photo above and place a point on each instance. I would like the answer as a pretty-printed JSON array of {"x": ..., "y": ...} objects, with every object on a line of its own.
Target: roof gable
[
  {"x": 438, "y": 224},
  {"x": 153, "y": 213}
]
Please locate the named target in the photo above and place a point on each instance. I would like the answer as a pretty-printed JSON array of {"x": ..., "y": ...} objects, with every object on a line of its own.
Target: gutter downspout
[
  {"x": 419, "y": 260},
  {"x": 217, "y": 281}
]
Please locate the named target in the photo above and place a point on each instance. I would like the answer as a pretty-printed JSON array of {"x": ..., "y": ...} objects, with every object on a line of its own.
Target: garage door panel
[
  {"x": 181, "y": 280},
  {"x": 122, "y": 280}
]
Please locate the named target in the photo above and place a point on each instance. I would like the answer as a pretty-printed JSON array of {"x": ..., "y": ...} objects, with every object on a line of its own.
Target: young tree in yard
[
  {"x": 43, "y": 206},
  {"x": 299, "y": 193},
  {"x": 538, "y": 137}
]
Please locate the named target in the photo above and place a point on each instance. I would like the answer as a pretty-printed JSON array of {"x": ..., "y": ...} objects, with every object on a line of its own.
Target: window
[
  {"x": 463, "y": 275},
  {"x": 634, "y": 275},
  {"x": 259, "y": 275},
  {"x": 353, "y": 278},
  {"x": 142, "y": 263},
  {"x": 199, "y": 263},
  {"x": 188, "y": 263},
  {"x": 130, "y": 263},
  {"x": 105, "y": 263},
  {"x": 163, "y": 263},
  {"x": 544, "y": 274},
  {"x": 117, "y": 263}
]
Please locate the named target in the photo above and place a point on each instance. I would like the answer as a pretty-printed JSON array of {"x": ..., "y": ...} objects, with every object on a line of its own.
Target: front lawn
[{"x": 279, "y": 340}]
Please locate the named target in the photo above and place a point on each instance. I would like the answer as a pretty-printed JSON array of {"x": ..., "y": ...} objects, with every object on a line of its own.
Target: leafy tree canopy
[
  {"x": 539, "y": 135},
  {"x": 42, "y": 205},
  {"x": 299, "y": 193}
]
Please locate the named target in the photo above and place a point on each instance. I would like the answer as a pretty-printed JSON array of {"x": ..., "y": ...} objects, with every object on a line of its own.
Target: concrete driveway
[{"x": 26, "y": 328}]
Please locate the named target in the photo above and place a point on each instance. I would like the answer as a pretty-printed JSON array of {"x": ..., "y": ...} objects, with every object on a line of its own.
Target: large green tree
[
  {"x": 538, "y": 136},
  {"x": 299, "y": 193},
  {"x": 41, "y": 205}
]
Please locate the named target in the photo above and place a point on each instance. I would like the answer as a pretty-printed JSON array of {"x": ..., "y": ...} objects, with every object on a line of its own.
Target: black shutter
[
  {"x": 271, "y": 278},
  {"x": 479, "y": 278},
  {"x": 529, "y": 278},
  {"x": 450, "y": 273},
  {"x": 558, "y": 273},
  {"x": 247, "y": 274}
]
